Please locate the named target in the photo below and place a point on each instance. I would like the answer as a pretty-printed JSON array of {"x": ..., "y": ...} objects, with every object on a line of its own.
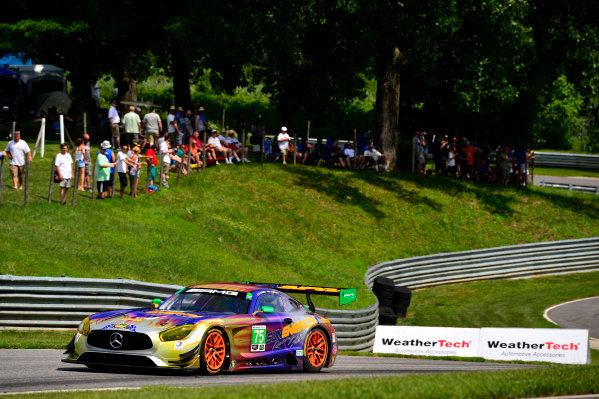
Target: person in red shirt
[{"x": 152, "y": 167}]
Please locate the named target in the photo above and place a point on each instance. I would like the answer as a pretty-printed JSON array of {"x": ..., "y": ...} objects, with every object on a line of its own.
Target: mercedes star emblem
[{"x": 116, "y": 340}]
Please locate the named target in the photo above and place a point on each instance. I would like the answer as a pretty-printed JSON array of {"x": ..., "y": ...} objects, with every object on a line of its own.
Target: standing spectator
[
  {"x": 522, "y": 168},
  {"x": 134, "y": 165},
  {"x": 165, "y": 152},
  {"x": 200, "y": 120},
  {"x": 16, "y": 149},
  {"x": 179, "y": 124},
  {"x": 503, "y": 166},
  {"x": 421, "y": 152},
  {"x": 88, "y": 162},
  {"x": 103, "y": 173},
  {"x": 121, "y": 168},
  {"x": 115, "y": 124},
  {"x": 362, "y": 142},
  {"x": 152, "y": 126},
  {"x": 187, "y": 128},
  {"x": 451, "y": 160},
  {"x": 132, "y": 126},
  {"x": 372, "y": 155},
  {"x": 152, "y": 162},
  {"x": 80, "y": 156},
  {"x": 64, "y": 168},
  {"x": 111, "y": 156},
  {"x": 257, "y": 129},
  {"x": 283, "y": 140},
  {"x": 170, "y": 121}
]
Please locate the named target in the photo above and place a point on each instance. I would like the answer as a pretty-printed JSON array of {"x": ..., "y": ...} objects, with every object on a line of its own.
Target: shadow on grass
[{"x": 497, "y": 200}]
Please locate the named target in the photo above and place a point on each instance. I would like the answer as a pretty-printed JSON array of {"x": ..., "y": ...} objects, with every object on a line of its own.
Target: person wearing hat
[
  {"x": 200, "y": 120},
  {"x": 218, "y": 147},
  {"x": 152, "y": 126},
  {"x": 180, "y": 123},
  {"x": 170, "y": 121},
  {"x": 115, "y": 124},
  {"x": 111, "y": 156},
  {"x": 283, "y": 140},
  {"x": 132, "y": 126},
  {"x": 103, "y": 172},
  {"x": 235, "y": 146}
]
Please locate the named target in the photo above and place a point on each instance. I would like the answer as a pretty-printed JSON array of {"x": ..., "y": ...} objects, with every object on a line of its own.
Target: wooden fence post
[
  {"x": 355, "y": 149},
  {"x": 94, "y": 166},
  {"x": 295, "y": 148},
  {"x": 243, "y": 157},
  {"x": 161, "y": 168},
  {"x": 1, "y": 177},
  {"x": 51, "y": 179},
  {"x": 74, "y": 186},
  {"x": 26, "y": 193},
  {"x": 204, "y": 152}
]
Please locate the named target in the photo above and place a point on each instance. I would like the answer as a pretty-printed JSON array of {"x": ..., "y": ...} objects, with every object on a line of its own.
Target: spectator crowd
[{"x": 469, "y": 160}]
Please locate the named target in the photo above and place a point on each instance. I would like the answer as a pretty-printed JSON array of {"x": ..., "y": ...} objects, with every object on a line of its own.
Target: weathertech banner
[
  {"x": 535, "y": 345},
  {"x": 553, "y": 345},
  {"x": 427, "y": 341}
]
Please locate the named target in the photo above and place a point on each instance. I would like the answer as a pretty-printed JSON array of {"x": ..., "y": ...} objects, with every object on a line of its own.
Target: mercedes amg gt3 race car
[{"x": 214, "y": 327}]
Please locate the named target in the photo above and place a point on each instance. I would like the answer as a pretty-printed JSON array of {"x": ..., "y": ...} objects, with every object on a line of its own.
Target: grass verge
[{"x": 546, "y": 381}]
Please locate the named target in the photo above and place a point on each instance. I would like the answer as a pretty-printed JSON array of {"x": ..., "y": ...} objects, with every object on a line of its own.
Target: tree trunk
[
  {"x": 181, "y": 78},
  {"x": 127, "y": 91},
  {"x": 83, "y": 103},
  {"x": 387, "y": 102}
]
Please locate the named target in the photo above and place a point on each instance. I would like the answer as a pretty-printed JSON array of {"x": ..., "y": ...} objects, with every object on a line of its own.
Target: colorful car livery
[{"x": 214, "y": 327}]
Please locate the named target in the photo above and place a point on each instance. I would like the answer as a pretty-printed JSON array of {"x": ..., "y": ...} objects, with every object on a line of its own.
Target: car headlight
[
  {"x": 177, "y": 333},
  {"x": 84, "y": 327}
]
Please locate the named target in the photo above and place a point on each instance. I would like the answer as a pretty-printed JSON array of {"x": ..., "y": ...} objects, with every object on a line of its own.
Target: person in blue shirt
[{"x": 110, "y": 155}]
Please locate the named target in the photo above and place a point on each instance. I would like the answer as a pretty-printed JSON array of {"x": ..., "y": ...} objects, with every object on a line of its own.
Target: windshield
[{"x": 203, "y": 302}]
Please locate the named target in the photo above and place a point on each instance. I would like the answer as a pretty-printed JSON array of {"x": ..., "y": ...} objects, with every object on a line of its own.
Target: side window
[
  {"x": 274, "y": 301},
  {"x": 291, "y": 305}
]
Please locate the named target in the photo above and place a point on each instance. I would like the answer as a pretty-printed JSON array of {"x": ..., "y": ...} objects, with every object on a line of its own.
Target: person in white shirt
[
  {"x": 214, "y": 141},
  {"x": 64, "y": 169},
  {"x": 115, "y": 124},
  {"x": 283, "y": 140},
  {"x": 170, "y": 120},
  {"x": 16, "y": 151},
  {"x": 121, "y": 168},
  {"x": 351, "y": 153},
  {"x": 374, "y": 156},
  {"x": 165, "y": 151},
  {"x": 235, "y": 146}
]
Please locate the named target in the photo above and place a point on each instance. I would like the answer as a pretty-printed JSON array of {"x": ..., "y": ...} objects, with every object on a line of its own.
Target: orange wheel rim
[
  {"x": 316, "y": 348},
  {"x": 214, "y": 350}
]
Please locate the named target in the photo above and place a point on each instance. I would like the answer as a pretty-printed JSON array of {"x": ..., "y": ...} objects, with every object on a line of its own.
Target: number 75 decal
[{"x": 258, "y": 339}]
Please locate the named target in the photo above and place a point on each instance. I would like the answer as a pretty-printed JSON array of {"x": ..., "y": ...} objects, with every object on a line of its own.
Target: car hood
[{"x": 144, "y": 320}]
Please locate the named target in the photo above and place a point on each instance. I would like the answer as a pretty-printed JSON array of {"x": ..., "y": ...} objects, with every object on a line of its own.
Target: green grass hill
[{"x": 267, "y": 222}]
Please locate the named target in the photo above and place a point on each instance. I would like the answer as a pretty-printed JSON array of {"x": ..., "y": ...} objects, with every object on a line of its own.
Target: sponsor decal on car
[
  {"x": 122, "y": 326},
  {"x": 178, "y": 345},
  {"x": 299, "y": 326},
  {"x": 299, "y": 352},
  {"x": 233, "y": 364},
  {"x": 77, "y": 336},
  {"x": 213, "y": 291},
  {"x": 258, "y": 338}
]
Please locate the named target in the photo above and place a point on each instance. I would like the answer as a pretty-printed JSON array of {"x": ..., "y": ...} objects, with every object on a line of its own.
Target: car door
[{"x": 267, "y": 325}]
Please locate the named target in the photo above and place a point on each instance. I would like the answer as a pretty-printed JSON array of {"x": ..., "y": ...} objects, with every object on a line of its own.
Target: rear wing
[{"x": 346, "y": 295}]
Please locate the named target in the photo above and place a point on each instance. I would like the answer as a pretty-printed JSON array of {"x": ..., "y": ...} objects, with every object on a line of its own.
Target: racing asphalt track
[
  {"x": 34, "y": 370},
  {"x": 581, "y": 313}
]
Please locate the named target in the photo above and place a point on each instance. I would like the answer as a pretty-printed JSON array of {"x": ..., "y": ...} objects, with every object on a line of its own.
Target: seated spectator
[
  {"x": 452, "y": 154},
  {"x": 337, "y": 155},
  {"x": 503, "y": 166},
  {"x": 351, "y": 155},
  {"x": 236, "y": 147},
  {"x": 373, "y": 156},
  {"x": 219, "y": 149},
  {"x": 195, "y": 160},
  {"x": 303, "y": 150},
  {"x": 165, "y": 153}
]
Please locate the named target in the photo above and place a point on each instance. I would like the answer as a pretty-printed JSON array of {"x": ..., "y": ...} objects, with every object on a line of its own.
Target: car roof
[{"x": 231, "y": 287}]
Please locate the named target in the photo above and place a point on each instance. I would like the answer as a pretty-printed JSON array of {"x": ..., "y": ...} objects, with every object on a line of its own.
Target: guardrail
[
  {"x": 568, "y": 161},
  {"x": 62, "y": 302},
  {"x": 571, "y": 187},
  {"x": 45, "y": 302},
  {"x": 514, "y": 261}
]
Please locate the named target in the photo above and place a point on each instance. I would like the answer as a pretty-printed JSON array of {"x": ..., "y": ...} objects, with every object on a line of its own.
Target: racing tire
[
  {"x": 387, "y": 317},
  {"x": 383, "y": 284},
  {"x": 384, "y": 295},
  {"x": 399, "y": 310},
  {"x": 316, "y": 350},
  {"x": 400, "y": 302},
  {"x": 214, "y": 352},
  {"x": 385, "y": 302}
]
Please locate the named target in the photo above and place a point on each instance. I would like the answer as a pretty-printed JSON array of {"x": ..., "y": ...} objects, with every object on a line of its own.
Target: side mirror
[{"x": 156, "y": 302}]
